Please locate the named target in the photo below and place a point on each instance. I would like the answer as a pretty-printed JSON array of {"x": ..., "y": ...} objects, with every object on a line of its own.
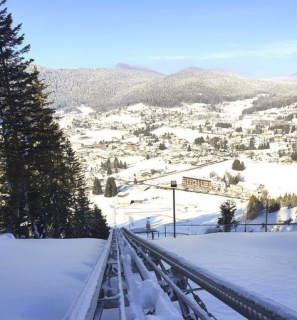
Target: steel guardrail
[{"x": 250, "y": 309}]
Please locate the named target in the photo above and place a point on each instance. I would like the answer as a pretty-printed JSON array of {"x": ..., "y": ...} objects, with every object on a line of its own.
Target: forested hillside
[
  {"x": 124, "y": 85},
  {"x": 97, "y": 88}
]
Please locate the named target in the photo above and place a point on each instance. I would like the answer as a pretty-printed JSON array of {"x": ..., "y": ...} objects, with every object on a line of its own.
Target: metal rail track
[
  {"x": 247, "y": 307},
  {"x": 134, "y": 285},
  {"x": 140, "y": 279}
]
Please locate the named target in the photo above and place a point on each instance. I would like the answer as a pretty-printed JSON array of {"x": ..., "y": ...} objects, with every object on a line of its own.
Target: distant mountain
[
  {"x": 288, "y": 77},
  {"x": 211, "y": 86},
  {"x": 124, "y": 66},
  {"x": 97, "y": 88},
  {"x": 127, "y": 84}
]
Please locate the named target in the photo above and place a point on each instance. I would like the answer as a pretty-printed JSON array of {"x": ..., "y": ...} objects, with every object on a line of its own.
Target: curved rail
[{"x": 247, "y": 307}]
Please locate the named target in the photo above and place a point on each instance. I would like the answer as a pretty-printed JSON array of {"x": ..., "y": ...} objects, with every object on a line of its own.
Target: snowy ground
[
  {"x": 97, "y": 136},
  {"x": 40, "y": 278},
  {"x": 262, "y": 263},
  {"x": 124, "y": 118},
  {"x": 140, "y": 163},
  {"x": 195, "y": 208},
  {"x": 188, "y": 134}
]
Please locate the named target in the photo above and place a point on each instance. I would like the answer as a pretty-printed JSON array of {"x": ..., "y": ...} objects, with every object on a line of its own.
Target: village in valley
[
  {"x": 148, "y": 160},
  {"x": 144, "y": 148}
]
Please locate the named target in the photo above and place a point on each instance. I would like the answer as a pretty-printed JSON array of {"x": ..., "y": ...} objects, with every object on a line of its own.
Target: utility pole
[{"x": 266, "y": 213}]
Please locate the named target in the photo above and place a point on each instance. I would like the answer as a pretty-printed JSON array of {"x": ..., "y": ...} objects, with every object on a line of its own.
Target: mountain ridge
[
  {"x": 126, "y": 84},
  {"x": 286, "y": 77}
]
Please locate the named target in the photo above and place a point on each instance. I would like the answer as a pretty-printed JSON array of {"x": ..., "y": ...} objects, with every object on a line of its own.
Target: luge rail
[
  {"x": 133, "y": 277},
  {"x": 249, "y": 308}
]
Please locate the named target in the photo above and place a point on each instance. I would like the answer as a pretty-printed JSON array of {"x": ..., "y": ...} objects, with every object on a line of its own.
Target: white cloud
[{"x": 272, "y": 50}]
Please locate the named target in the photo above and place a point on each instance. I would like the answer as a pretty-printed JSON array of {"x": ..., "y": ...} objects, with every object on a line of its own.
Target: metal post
[
  {"x": 266, "y": 214},
  {"x": 174, "y": 213},
  {"x": 245, "y": 221},
  {"x": 165, "y": 231}
]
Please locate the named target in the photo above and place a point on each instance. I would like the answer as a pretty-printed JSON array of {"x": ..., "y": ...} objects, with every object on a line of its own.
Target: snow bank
[
  {"x": 6, "y": 236},
  {"x": 41, "y": 278}
]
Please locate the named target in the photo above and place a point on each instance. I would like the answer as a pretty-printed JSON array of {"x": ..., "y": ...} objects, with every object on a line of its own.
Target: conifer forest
[{"x": 42, "y": 190}]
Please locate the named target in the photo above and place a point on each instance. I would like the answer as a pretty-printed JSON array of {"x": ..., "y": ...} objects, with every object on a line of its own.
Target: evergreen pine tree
[
  {"x": 228, "y": 209},
  {"x": 98, "y": 224},
  {"x": 18, "y": 116},
  {"x": 116, "y": 163},
  {"x": 189, "y": 148},
  {"x": 252, "y": 144},
  {"x": 237, "y": 165},
  {"x": 81, "y": 216},
  {"x": 107, "y": 192},
  {"x": 254, "y": 207},
  {"x": 97, "y": 189},
  {"x": 162, "y": 146},
  {"x": 47, "y": 154},
  {"x": 110, "y": 188},
  {"x": 114, "y": 189}
]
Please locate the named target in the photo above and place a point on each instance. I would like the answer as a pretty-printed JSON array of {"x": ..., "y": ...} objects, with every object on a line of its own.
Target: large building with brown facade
[
  {"x": 203, "y": 183},
  {"x": 196, "y": 183}
]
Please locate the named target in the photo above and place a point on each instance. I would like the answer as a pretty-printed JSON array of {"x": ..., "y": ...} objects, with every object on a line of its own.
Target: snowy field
[
  {"x": 67, "y": 118},
  {"x": 181, "y": 133},
  {"x": 124, "y": 118},
  {"x": 276, "y": 178},
  {"x": 140, "y": 163},
  {"x": 195, "y": 208},
  {"x": 39, "y": 279},
  {"x": 97, "y": 136},
  {"x": 235, "y": 108},
  {"x": 259, "y": 264}
]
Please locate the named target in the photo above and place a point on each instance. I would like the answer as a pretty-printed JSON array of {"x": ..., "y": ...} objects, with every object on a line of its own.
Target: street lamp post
[
  {"x": 266, "y": 213},
  {"x": 245, "y": 220},
  {"x": 173, "y": 186}
]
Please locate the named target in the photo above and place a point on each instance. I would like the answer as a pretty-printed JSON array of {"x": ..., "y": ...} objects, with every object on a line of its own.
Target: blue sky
[{"x": 254, "y": 38}]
